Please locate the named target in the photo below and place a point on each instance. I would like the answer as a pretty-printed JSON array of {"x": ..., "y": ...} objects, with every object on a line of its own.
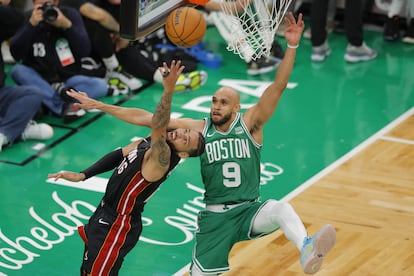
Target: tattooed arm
[{"x": 157, "y": 159}]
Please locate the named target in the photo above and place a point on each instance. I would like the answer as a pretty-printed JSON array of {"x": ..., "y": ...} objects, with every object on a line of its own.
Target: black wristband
[{"x": 106, "y": 163}]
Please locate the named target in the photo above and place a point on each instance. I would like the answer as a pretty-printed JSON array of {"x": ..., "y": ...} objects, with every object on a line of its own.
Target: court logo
[
  {"x": 239, "y": 130},
  {"x": 44, "y": 236}
]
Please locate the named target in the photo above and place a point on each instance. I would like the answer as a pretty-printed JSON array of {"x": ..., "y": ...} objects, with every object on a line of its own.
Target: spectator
[
  {"x": 8, "y": 29},
  {"x": 356, "y": 50},
  {"x": 50, "y": 45},
  {"x": 392, "y": 24},
  {"x": 18, "y": 104},
  {"x": 330, "y": 20}
]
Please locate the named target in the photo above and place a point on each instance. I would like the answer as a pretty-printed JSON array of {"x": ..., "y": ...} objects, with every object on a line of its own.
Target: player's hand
[
  {"x": 293, "y": 33},
  {"x": 170, "y": 75},
  {"x": 84, "y": 101},
  {"x": 37, "y": 15},
  {"x": 70, "y": 176}
]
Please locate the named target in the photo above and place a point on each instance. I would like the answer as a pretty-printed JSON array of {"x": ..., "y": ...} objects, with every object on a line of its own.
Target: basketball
[{"x": 185, "y": 27}]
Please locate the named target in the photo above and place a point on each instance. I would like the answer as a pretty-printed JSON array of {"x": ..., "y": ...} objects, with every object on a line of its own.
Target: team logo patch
[{"x": 239, "y": 130}]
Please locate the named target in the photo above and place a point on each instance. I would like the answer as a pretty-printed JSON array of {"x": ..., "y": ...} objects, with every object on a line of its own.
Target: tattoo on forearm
[
  {"x": 161, "y": 116},
  {"x": 162, "y": 150}
]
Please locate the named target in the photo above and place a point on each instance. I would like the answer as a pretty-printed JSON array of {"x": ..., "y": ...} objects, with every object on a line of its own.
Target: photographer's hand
[
  {"x": 37, "y": 15},
  {"x": 61, "y": 21}
]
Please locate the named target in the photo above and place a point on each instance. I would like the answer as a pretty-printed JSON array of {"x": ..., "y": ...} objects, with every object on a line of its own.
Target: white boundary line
[
  {"x": 398, "y": 140},
  {"x": 336, "y": 164}
]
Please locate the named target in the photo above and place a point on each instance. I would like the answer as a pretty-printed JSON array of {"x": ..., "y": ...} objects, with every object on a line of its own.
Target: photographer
[
  {"x": 18, "y": 104},
  {"x": 50, "y": 45}
]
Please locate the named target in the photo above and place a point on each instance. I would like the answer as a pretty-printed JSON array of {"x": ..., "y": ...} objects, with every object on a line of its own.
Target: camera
[{"x": 49, "y": 12}]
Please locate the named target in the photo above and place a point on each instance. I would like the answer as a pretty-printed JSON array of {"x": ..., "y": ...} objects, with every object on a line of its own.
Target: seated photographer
[
  {"x": 18, "y": 104},
  {"x": 49, "y": 46}
]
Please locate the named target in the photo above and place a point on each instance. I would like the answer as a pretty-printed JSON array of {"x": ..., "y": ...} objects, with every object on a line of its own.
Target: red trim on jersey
[
  {"x": 127, "y": 200},
  {"x": 82, "y": 234},
  {"x": 115, "y": 239},
  {"x": 109, "y": 252}
]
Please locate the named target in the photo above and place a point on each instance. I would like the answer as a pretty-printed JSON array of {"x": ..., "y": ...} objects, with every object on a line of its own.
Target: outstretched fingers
[
  {"x": 294, "y": 30},
  {"x": 290, "y": 20},
  {"x": 171, "y": 74},
  {"x": 175, "y": 69}
]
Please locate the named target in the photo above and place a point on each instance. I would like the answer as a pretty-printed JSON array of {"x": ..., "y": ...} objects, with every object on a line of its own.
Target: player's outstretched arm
[
  {"x": 132, "y": 115},
  {"x": 260, "y": 113},
  {"x": 157, "y": 159},
  {"x": 136, "y": 116},
  {"x": 108, "y": 162}
]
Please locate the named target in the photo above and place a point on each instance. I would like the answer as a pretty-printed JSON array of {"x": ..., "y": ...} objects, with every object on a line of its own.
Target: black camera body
[{"x": 49, "y": 12}]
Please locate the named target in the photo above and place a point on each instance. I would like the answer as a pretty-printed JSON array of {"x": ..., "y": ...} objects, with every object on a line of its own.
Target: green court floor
[{"x": 327, "y": 110}]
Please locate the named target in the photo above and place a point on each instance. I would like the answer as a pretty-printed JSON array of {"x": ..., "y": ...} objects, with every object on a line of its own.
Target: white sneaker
[
  {"x": 3, "y": 140},
  {"x": 37, "y": 131},
  {"x": 5, "y": 51},
  {"x": 359, "y": 53},
  {"x": 320, "y": 53},
  {"x": 129, "y": 80},
  {"x": 71, "y": 113},
  {"x": 409, "y": 34}
]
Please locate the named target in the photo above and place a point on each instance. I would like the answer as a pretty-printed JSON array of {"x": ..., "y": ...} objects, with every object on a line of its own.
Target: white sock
[
  {"x": 276, "y": 214},
  {"x": 110, "y": 62}
]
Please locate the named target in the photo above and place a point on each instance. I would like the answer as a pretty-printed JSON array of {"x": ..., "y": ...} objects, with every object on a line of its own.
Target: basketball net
[{"x": 250, "y": 31}]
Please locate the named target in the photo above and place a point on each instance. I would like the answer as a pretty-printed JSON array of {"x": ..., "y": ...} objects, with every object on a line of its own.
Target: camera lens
[{"x": 49, "y": 12}]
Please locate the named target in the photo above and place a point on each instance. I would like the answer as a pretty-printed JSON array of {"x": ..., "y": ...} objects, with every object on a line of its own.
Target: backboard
[{"x": 141, "y": 17}]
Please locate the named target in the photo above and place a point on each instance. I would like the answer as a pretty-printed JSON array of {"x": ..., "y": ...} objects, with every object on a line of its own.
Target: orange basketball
[{"x": 185, "y": 27}]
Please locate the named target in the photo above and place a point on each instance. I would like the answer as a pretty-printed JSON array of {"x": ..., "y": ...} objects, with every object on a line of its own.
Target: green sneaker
[
  {"x": 190, "y": 81},
  {"x": 123, "y": 76},
  {"x": 315, "y": 249},
  {"x": 117, "y": 87}
]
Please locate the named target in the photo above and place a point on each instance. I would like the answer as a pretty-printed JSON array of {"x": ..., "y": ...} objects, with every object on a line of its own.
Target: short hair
[{"x": 200, "y": 148}]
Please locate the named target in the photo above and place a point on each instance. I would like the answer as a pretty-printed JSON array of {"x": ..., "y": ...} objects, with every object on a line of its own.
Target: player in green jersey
[{"x": 230, "y": 168}]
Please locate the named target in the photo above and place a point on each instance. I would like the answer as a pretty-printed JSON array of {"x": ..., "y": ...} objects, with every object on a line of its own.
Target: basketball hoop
[{"x": 249, "y": 26}]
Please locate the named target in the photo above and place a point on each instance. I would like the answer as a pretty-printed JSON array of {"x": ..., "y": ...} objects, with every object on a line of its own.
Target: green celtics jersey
[{"x": 230, "y": 164}]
